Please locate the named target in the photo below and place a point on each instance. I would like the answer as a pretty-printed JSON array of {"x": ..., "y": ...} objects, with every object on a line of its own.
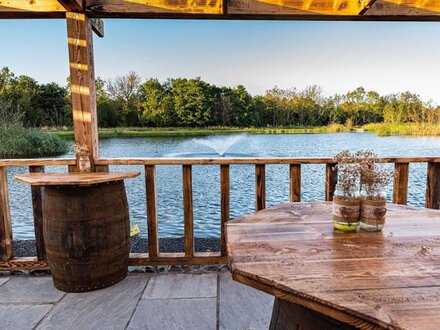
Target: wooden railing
[{"x": 189, "y": 256}]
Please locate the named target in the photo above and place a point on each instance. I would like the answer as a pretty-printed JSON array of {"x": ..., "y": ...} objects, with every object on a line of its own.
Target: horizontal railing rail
[{"x": 189, "y": 256}]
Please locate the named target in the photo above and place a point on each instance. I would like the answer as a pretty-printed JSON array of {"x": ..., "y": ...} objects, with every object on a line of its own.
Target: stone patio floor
[{"x": 142, "y": 301}]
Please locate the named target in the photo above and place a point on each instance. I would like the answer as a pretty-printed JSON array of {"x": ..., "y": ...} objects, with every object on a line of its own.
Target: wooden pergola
[{"x": 84, "y": 16}]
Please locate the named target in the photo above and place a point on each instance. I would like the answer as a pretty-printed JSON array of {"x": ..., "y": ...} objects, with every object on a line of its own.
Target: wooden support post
[
  {"x": 331, "y": 178},
  {"x": 188, "y": 211},
  {"x": 37, "y": 206},
  {"x": 295, "y": 182},
  {"x": 260, "y": 187},
  {"x": 225, "y": 205},
  {"x": 433, "y": 186},
  {"x": 82, "y": 81},
  {"x": 400, "y": 187},
  {"x": 153, "y": 232},
  {"x": 6, "y": 250}
]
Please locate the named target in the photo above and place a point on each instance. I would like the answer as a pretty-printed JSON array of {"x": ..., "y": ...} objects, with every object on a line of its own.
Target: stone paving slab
[
  {"x": 110, "y": 308},
  {"x": 21, "y": 317},
  {"x": 181, "y": 286},
  {"x": 170, "y": 314},
  {"x": 29, "y": 290},
  {"x": 3, "y": 280},
  {"x": 243, "y": 307}
]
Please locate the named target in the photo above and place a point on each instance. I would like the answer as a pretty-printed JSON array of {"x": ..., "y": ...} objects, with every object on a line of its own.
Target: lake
[{"x": 206, "y": 187}]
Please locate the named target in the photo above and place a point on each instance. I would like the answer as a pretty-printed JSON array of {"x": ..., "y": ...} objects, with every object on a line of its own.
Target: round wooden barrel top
[
  {"x": 73, "y": 179},
  {"x": 388, "y": 279}
]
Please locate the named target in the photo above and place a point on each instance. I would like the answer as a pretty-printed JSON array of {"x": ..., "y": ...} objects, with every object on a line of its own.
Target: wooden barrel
[{"x": 87, "y": 235}]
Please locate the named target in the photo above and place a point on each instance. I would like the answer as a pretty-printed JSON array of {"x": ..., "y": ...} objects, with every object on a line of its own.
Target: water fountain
[{"x": 220, "y": 146}]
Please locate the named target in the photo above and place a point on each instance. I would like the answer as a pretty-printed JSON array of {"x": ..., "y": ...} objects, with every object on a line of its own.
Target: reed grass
[
  {"x": 420, "y": 129},
  {"x": 17, "y": 141}
]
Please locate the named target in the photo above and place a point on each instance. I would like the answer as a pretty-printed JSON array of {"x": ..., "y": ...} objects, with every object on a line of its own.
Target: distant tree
[
  {"x": 156, "y": 104},
  {"x": 125, "y": 91},
  {"x": 193, "y": 100}
]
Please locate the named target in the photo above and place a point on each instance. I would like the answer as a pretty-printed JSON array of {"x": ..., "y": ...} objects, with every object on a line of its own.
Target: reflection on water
[{"x": 206, "y": 186}]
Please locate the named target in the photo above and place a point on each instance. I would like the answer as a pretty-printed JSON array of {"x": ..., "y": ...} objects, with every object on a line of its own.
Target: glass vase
[
  {"x": 346, "y": 211},
  {"x": 84, "y": 163},
  {"x": 373, "y": 211}
]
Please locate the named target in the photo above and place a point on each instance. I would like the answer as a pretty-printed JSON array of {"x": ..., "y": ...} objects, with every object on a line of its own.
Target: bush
[{"x": 16, "y": 141}]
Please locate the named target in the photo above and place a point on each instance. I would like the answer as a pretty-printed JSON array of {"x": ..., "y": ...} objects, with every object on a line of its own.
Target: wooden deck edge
[{"x": 136, "y": 259}]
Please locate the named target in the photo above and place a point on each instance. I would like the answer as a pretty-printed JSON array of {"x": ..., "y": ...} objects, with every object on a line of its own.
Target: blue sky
[{"x": 338, "y": 56}]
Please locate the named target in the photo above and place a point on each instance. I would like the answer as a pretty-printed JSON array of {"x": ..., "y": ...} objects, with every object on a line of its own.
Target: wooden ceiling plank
[{"x": 72, "y": 5}]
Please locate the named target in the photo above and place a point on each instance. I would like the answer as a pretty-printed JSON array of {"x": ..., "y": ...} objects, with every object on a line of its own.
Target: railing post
[
  {"x": 433, "y": 186},
  {"x": 400, "y": 187},
  {"x": 225, "y": 205},
  {"x": 37, "y": 207},
  {"x": 6, "y": 249},
  {"x": 188, "y": 211},
  {"x": 295, "y": 182},
  {"x": 153, "y": 232},
  {"x": 331, "y": 178},
  {"x": 260, "y": 187}
]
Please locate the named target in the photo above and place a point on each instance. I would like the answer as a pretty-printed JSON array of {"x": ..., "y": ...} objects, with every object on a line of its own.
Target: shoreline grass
[
  {"x": 412, "y": 129},
  {"x": 19, "y": 142},
  {"x": 173, "y": 131}
]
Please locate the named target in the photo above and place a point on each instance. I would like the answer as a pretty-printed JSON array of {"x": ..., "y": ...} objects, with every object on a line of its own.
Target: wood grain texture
[
  {"x": 362, "y": 279},
  {"x": 199, "y": 258},
  {"x": 87, "y": 235},
  {"x": 37, "y": 207},
  {"x": 224, "y": 205},
  {"x": 433, "y": 186},
  {"x": 153, "y": 231},
  {"x": 6, "y": 250},
  {"x": 295, "y": 182},
  {"x": 37, "y": 162},
  {"x": 72, "y": 5},
  {"x": 400, "y": 187},
  {"x": 188, "y": 213},
  {"x": 208, "y": 7},
  {"x": 73, "y": 179},
  {"x": 82, "y": 82},
  {"x": 331, "y": 179},
  {"x": 260, "y": 187}
]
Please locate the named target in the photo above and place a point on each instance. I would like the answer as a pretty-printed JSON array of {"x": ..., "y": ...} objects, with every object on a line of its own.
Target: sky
[{"x": 338, "y": 56}]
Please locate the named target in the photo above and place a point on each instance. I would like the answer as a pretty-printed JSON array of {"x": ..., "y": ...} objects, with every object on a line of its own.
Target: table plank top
[
  {"x": 388, "y": 279},
  {"x": 73, "y": 179}
]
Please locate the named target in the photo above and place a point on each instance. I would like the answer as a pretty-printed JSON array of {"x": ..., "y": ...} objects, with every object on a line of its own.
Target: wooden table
[
  {"x": 327, "y": 279},
  {"x": 86, "y": 227}
]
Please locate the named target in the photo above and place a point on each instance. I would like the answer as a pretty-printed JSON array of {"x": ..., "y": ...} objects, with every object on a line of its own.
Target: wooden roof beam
[
  {"x": 72, "y": 5},
  {"x": 368, "y": 6}
]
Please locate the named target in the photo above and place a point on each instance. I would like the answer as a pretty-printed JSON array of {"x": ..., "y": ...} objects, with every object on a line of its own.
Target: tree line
[{"x": 127, "y": 101}]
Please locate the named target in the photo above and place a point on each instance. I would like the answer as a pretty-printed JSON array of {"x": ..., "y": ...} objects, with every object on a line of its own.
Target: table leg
[{"x": 288, "y": 316}]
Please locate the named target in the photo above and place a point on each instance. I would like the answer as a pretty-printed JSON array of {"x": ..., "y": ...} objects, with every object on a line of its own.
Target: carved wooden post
[
  {"x": 400, "y": 187},
  {"x": 82, "y": 81},
  {"x": 6, "y": 250},
  {"x": 433, "y": 186}
]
